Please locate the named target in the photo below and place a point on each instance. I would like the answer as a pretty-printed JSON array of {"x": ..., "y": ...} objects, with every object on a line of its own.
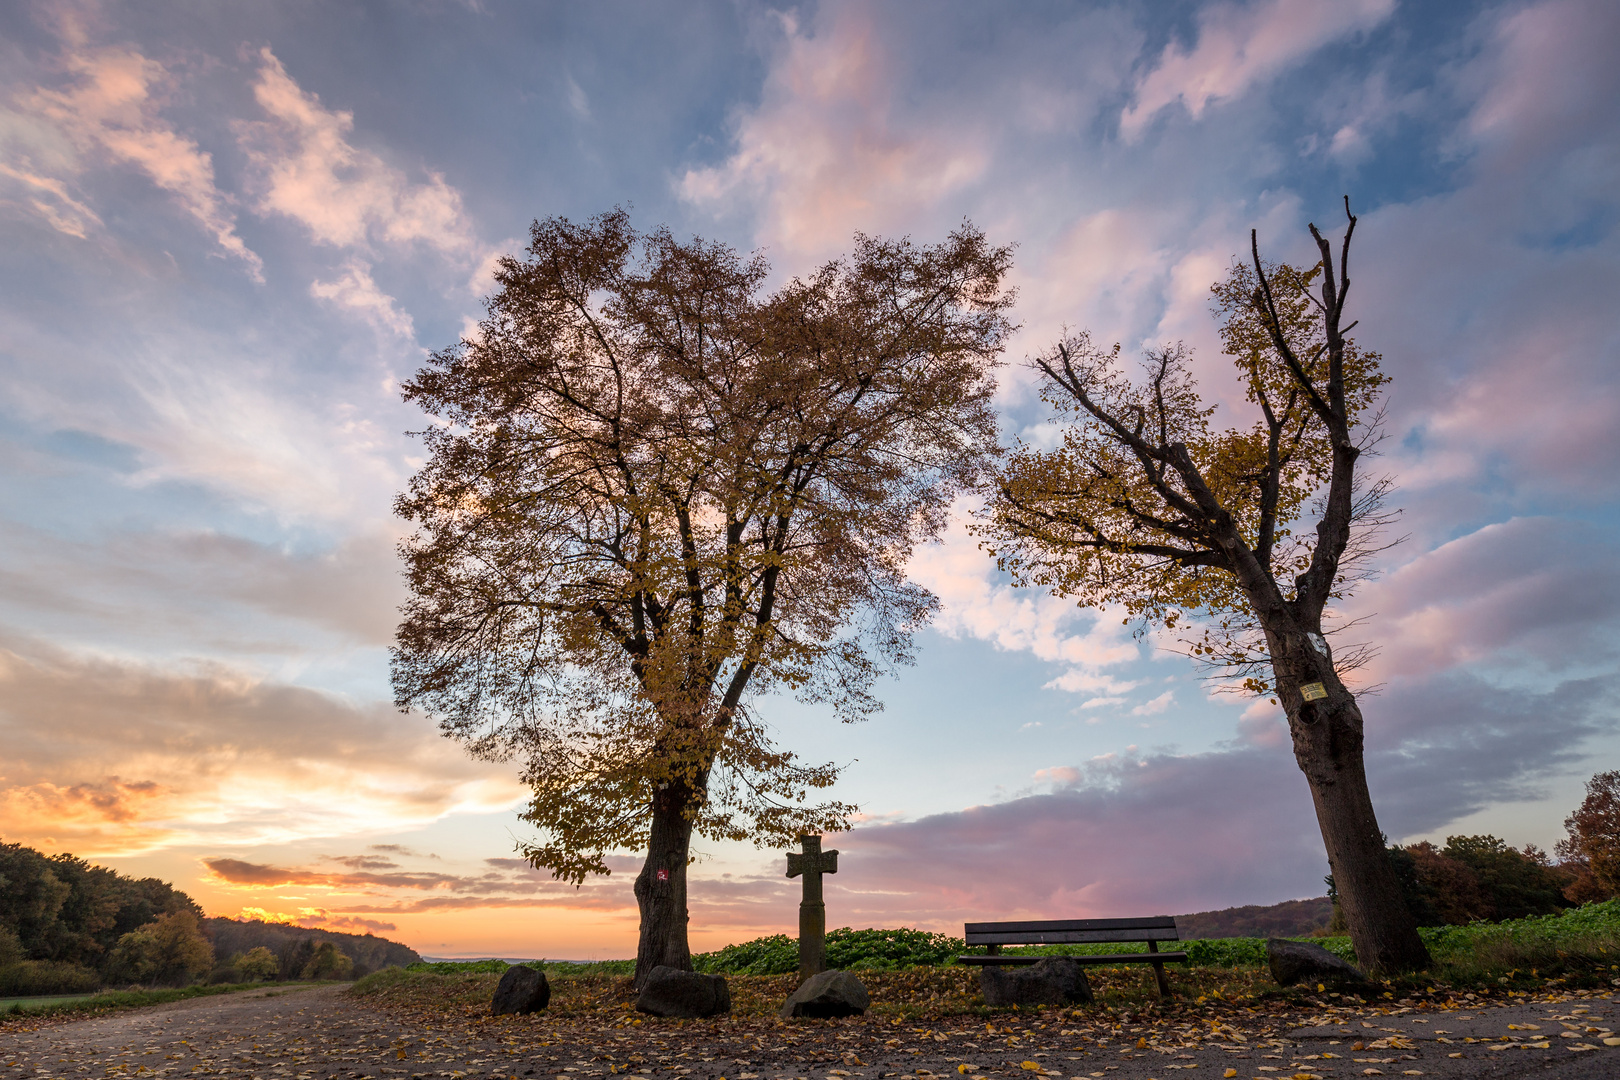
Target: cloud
[
  {"x": 1534, "y": 592},
  {"x": 1121, "y": 837},
  {"x": 826, "y": 152},
  {"x": 1167, "y": 833},
  {"x": 280, "y": 597},
  {"x": 1155, "y": 706},
  {"x": 113, "y": 108},
  {"x": 308, "y": 170},
  {"x": 356, "y": 291},
  {"x": 1241, "y": 45},
  {"x": 977, "y": 600},
  {"x": 50, "y": 198},
  {"x": 210, "y": 756},
  {"x": 312, "y": 918},
  {"x": 1442, "y": 747}
]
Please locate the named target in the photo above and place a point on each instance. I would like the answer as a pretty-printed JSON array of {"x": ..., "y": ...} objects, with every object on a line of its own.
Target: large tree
[
  {"x": 656, "y": 492},
  {"x": 1146, "y": 506}
]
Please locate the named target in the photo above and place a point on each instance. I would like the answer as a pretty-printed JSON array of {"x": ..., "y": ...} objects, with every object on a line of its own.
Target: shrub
[
  {"x": 328, "y": 963},
  {"x": 774, "y": 955},
  {"x": 458, "y": 967},
  {"x": 867, "y": 950},
  {"x": 33, "y": 978},
  {"x": 258, "y": 963}
]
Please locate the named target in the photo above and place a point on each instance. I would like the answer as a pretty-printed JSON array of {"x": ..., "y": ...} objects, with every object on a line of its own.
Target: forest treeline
[{"x": 67, "y": 926}]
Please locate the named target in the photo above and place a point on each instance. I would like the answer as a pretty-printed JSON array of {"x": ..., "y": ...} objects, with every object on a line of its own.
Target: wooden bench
[{"x": 993, "y": 935}]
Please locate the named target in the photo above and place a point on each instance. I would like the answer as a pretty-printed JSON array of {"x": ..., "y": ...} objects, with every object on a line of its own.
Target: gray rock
[
  {"x": 521, "y": 990},
  {"x": 686, "y": 994},
  {"x": 828, "y": 993},
  {"x": 1297, "y": 961},
  {"x": 1056, "y": 980}
]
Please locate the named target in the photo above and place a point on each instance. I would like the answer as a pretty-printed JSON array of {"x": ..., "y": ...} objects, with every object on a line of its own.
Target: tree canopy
[
  {"x": 1146, "y": 505},
  {"x": 655, "y": 492}
]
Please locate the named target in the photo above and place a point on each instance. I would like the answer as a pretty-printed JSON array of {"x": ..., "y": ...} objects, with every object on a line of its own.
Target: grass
[
  {"x": 12, "y": 1009},
  {"x": 912, "y": 970},
  {"x": 6, "y": 1004}
]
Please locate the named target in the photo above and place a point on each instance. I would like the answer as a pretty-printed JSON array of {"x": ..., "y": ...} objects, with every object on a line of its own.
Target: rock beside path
[
  {"x": 521, "y": 990},
  {"x": 1298, "y": 961},
  {"x": 684, "y": 994},
  {"x": 828, "y": 994},
  {"x": 1057, "y": 980}
]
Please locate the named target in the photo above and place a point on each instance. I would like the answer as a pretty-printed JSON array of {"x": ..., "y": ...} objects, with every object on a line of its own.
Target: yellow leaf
[
  {"x": 1228, "y": 1074},
  {"x": 1141, "y": 1044},
  {"x": 1030, "y": 1065}
]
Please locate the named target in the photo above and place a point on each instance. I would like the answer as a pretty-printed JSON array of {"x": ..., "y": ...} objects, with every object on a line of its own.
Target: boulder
[
  {"x": 1298, "y": 961},
  {"x": 686, "y": 994},
  {"x": 521, "y": 990},
  {"x": 828, "y": 993},
  {"x": 1056, "y": 980}
]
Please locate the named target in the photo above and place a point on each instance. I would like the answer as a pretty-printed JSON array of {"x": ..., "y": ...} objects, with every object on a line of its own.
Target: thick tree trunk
[
  {"x": 661, "y": 889},
  {"x": 1327, "y": 735}
]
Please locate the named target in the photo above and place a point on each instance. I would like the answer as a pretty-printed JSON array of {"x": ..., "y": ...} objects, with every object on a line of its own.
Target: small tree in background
[
  {"x": 1592, "y": 847},
  {"x": 654, "y": 494},
  {"x": 258, "y": 963},
  {"x": 1144, "y": 505},
  {"x": 328, "y": 963},
  {"x": 169, "y": 951}
]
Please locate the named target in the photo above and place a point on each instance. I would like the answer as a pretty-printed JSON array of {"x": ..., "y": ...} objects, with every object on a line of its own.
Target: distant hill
[
  {"x": 1291, "y": 918},
  {"x": 294, "y": 945}
]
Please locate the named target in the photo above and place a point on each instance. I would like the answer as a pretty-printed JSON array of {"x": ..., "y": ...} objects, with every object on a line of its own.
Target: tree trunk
[
  {"x": 1327, "y": 736},
  {"x": 661, "y": 889}
]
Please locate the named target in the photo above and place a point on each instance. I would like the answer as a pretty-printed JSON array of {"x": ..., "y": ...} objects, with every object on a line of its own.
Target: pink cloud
[
  {"x": 356, "y": 291},
  {"x": 1564, "y": 79},
  {"x": 309, "y": 171},
  {"x": 1541, "y": 589},
  {"x": 1241, "y": 45},
  {"x": 51, "y": 199},
  {"x": 114, "y": 108},
  {"x": 825, "y": 153},
  {"x": 1155, "y": 835}
]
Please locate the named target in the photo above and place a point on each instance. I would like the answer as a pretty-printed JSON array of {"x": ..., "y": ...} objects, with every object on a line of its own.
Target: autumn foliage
[
  {"x": 656, "y": 492},
  {"x": 1591, "y": 850}
]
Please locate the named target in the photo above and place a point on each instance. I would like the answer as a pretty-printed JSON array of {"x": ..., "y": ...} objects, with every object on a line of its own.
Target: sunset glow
[{"x": 230, "y": 237}]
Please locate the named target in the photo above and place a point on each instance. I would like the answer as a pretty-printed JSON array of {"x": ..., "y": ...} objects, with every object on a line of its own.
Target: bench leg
[{"x": 1158, "y": 971}]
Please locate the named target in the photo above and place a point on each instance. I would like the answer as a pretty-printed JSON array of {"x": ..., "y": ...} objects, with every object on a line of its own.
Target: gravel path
[{"x": 302, "y": 1034}]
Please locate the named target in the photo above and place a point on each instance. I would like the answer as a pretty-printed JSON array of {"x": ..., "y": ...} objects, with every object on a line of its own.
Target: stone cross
[{"x": 812, "y": 911}]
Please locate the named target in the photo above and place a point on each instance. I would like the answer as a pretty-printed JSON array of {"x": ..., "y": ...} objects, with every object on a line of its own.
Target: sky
[{"x": 229, "y": 232}]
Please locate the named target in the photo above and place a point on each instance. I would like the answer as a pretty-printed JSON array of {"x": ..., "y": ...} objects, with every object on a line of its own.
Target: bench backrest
[{"x": 1072, "y": 931}]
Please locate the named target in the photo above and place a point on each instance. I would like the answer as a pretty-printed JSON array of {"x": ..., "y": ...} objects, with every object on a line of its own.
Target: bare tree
[
  {"x": 655, "y": 494},
  {"x": 1144, "y": 505}
]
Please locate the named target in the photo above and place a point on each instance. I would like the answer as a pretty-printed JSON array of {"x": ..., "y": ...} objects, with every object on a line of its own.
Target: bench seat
[
  {"x": 1151, "y": 930},
  {"x": 1106, "y": 958}
]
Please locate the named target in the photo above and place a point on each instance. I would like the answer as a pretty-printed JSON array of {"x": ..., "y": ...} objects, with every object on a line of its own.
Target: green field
[{"x": 29, "y": 1003}]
